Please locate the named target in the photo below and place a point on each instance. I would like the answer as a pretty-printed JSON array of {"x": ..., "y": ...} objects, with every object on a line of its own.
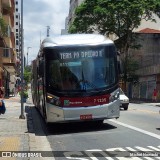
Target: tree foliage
[
  {"x": 3, "y": 26},
  {"x": 27, "y": 74},
  {"x": 118, "y": 17},
  {"x": 115, "y": 17},
  {"x": 130, "y": 65}
]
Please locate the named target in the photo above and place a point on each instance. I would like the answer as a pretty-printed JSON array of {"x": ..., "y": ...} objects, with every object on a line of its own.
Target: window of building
[
  {"x": 16, "y": 30},
  {"x": 17, "y": 42},
  {"x": 16, "y": 23},
  {"x": 16, "y": 2},
  {"x": 6, "y": 52},
  {"x": 8, "y": 31},
  {"x": 16, "y": 16},
  {"x": 16, "y": 9}
]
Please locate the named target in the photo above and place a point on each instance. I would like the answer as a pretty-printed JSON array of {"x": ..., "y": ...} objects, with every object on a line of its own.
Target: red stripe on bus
[{"x": 84, "y": 101}]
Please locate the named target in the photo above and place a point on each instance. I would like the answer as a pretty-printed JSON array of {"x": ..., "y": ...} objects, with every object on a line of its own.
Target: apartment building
[
  {"x": 17, "y": 30},
  {"x": 73, "y": 5},
  {"x": 65, "y": 31},
  {"x": 7, "y": 46}
]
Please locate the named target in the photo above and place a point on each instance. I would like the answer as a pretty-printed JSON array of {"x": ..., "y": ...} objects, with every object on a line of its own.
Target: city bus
[{"x": 75, "y": 79}]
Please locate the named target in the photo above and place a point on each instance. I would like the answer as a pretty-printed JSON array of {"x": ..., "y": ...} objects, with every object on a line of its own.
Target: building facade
[
  {"x": 17, "y": 31},
  {"x": 148, "y": 57},
  {"x": 7, "y": 47},
  {"x": 73, "y": 5}
]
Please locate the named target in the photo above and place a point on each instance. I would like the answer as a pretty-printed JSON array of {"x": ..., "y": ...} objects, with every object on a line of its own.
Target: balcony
[{"x": 9, "y": 60}]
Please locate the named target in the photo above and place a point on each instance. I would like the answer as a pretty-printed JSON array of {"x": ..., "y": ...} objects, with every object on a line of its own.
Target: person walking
[
  {"x": 2, "y": 104},
  {"x": 1, "y": 93},
  {"x": 155, "y": 93}
]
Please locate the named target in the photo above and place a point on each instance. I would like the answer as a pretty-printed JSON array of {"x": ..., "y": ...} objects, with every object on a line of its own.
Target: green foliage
[
  {"x": 118, "y": 17},
  {"x": 27, "y": 74},
  {"x": 25, "y": 93},
  {"x": 3, "y": 26},
  {"x": 112, "y": 16},
  {"x": 28, "y": 68},
  {"x": 130, "y": 66}
]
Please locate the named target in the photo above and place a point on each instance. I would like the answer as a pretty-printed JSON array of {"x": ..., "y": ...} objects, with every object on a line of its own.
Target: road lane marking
[
  {"x": 119, "y": 153},
  {"x": 136, "y": 129},
  {"x": 142, "y": 110},
  {"x": 151, "y": 112}
]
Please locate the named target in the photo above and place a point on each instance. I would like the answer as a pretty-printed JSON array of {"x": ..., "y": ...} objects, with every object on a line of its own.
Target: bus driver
[{"x": 69, "y": 80}]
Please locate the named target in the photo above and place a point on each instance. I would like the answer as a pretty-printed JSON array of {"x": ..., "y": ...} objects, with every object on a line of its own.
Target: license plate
[{"x": 86, "y": 117}]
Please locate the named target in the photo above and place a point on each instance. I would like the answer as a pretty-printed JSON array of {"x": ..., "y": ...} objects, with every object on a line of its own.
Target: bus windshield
[{"x": 80, "y": 68}]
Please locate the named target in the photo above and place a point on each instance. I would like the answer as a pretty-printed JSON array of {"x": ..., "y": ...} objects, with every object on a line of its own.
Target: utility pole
[
  {"x": 48, "y": 28},
  {"x": 22, "y": 66},
  {"x": 27, "y": 53}
]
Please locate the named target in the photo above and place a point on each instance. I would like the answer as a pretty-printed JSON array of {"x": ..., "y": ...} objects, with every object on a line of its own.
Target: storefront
[
  {"x": 9, "y": 70},
  {"x": 144, "y": 89}
]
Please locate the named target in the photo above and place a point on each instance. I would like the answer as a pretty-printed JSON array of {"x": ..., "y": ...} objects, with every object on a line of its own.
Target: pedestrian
[
  {"x": 1, "y": 93},
  {"x": 155, "y": 93},
  {"x": 2, "y": 104}
]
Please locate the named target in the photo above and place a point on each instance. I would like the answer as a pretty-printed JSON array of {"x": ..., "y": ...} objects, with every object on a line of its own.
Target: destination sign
[{"x": 82, "y": 54}]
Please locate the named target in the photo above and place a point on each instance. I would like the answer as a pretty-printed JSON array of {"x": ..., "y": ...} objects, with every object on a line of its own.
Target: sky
[{"x": 37, "y": 15}]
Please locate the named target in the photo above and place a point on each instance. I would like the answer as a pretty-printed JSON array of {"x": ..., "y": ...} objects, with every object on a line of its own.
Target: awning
[{"x": 10, "y": 67}]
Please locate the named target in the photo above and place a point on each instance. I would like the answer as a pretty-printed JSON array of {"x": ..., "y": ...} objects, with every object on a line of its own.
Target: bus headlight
[{"x": 53, "y": 100}]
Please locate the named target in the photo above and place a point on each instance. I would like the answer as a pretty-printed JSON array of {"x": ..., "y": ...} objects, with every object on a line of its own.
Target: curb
[{"x": 37, "y": 141}]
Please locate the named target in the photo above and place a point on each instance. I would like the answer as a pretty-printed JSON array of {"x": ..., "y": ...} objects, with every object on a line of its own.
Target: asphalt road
[
  {"x": 137, "y": 129},
  {"x": 145, "y": 116}
]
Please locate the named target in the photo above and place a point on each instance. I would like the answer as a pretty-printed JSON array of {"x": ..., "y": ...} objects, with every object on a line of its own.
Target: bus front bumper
[{"x": 106, "y": 111}]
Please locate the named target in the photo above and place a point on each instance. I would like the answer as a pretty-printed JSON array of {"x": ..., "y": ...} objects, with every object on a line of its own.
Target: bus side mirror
[{"x": 41, "y": 68}]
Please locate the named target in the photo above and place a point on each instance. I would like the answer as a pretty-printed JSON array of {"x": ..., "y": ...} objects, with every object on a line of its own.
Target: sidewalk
[
  {"x": 18, "y": 135},
  {"x": 138, "y": 101}
]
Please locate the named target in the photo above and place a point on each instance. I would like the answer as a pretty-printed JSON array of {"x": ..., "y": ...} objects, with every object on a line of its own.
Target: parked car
[{"x": 124, "y": 100}]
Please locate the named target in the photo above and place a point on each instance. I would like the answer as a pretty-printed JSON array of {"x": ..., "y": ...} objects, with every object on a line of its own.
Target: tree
[
  {"x": 27, "y": 74},
  {"x": 116, "y": 17},
  {"x": 112, "y": 17}
]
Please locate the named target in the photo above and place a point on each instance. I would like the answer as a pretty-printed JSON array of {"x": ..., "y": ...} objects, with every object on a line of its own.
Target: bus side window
[{"x": 41, "y": 68}]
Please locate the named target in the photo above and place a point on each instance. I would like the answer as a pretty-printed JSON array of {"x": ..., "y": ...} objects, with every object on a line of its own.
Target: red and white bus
[{"x": 75, "y": 78}]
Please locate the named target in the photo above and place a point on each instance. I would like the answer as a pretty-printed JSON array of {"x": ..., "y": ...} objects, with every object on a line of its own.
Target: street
[
  {"x": 145, "y": 116},
  {"x": 67, "y": 67},
  {"x": 136, "y": 130}
]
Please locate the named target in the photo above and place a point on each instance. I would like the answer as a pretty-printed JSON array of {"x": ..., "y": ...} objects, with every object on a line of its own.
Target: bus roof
[{"x": 75, "y": 39}]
